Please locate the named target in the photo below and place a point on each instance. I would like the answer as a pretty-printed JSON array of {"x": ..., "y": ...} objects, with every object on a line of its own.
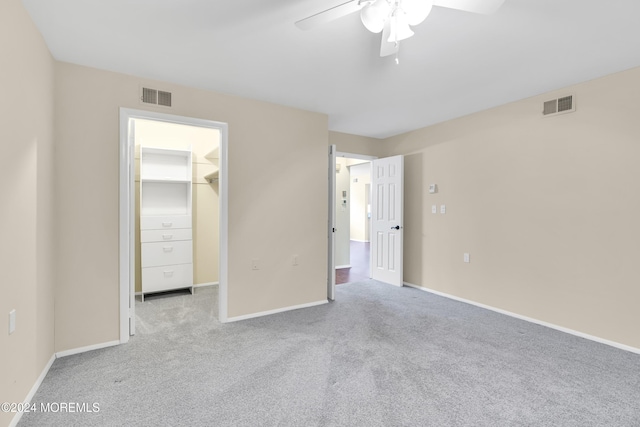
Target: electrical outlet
[
  {"x": 294, "y": 260},
  {"x": 466, "y": 257},
  {"x": 255, "y": 264},
  {"x": 443, "y": 209},
  {"x": 12, "y": 321}
]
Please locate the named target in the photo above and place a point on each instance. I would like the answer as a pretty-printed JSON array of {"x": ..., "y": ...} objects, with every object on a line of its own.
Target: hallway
[{"x": 359, "y": 270}]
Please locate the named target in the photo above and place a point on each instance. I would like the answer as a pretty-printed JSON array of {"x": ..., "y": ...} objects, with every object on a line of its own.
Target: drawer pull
[
  {"x": 167, "y": 224},
  {"x": 168, "y": 273},
  {"x": 167, "y": 248},
  {"x": 167, "y": 236}
]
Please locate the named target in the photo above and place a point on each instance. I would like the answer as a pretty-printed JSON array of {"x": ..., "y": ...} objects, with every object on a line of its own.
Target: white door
[
  {"x": 387, "y": 188},
  {"x": 331, "y": 273}
]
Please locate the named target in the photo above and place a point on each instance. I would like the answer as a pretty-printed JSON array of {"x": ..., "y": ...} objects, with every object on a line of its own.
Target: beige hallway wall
[
  {"x": 342, "y": 249},
  {"x": 360, "y": 187},
  {"x": 547, "y": 207},
  {"x": 26, "y": 215},
  {"x": 277, "y": 199}
]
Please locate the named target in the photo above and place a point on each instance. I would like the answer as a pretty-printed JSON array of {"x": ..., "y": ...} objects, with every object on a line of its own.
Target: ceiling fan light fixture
[
  {"x": 400, "y": 28},
  {"x": 374, "y": 15},
  {"x": 417, "y": 10}
]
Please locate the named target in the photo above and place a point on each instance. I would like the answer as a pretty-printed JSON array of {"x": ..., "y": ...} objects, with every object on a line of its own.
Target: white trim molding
[
  {"x": 355, "y": 156},
  {"x": 79, "y": 350},
  {"x": 203, "y": 285},
  {"x": 278, "y": 310},
  {"x": 343, "y": 266},
  {"x": 34, "y": 389},
  {"x": 530, "y": 319}
]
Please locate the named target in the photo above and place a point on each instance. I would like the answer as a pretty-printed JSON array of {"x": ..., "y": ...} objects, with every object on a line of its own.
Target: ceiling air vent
[
  {"x": 156, "y": 97},
  {"x": 559, "y": 106}
]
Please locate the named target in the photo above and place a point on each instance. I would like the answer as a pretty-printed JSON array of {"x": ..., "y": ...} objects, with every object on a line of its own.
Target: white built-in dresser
[{"x": 165, "y": 219}]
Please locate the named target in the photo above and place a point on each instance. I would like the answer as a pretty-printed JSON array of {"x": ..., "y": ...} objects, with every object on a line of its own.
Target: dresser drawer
[
  {"x": 155, "y": 254},
  {"x": 157, "y": 279},
  {"x": 162, "y": 222},
  {"x": 168, "y": 235}
]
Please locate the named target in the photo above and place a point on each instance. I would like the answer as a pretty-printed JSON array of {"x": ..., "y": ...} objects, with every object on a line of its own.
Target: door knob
[{"x": 397, "y": 227}]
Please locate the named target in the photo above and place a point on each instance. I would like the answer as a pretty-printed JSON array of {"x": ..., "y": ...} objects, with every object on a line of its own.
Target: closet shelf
[
  {"x": 213, "y": 176},
  {"x": 213, "y": 154},
  {"x": 167, "y": 180}
]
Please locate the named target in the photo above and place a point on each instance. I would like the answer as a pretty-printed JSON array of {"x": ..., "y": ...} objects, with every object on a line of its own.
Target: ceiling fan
[{"x": 394, "y": 18}]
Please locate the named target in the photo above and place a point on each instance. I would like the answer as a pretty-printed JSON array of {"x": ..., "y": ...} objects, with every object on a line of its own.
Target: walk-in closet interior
[{"x": 176, "y": 243}]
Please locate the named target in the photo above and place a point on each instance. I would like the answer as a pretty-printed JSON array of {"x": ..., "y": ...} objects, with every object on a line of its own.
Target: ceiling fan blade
[
  {"x": 336, "y": 12},
  {"x": 387, "y": 48},
  {"x": 486, "y": 7}
]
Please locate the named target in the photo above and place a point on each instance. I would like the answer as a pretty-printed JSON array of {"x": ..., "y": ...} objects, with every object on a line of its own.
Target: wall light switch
[
  {"x": 434, "y": 209},
  {"x": 466, "y": 258},
  {"x": 443, "y": 209},
  {"x": 255, "y": 264},
  {"x": 433, "y": 188},
  {"x": 12, "y": 321}
]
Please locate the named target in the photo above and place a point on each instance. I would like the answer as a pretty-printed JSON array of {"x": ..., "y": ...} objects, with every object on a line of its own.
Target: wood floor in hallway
[{"x": 359, "y": 270}]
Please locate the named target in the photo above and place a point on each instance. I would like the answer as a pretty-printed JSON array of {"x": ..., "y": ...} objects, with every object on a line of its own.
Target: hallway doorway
[{"x": 353, "y": 192}]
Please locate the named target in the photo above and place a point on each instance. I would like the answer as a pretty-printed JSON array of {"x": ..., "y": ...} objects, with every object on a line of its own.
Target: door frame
[
  {"x": 332, "y": 209},
  {"x": 127, "y": 212},
  {"x": 331, "y": 226}
]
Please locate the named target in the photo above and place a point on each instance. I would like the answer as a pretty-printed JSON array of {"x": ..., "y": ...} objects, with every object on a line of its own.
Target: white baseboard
[
  {"x": 343, "y": 266},
  {"x": 34, "y": 389},
  {"x": 279, "y": 310},
  {"x": 202, "y": 285},
  {"x": 87, "y": 348},
  {"x": 531, "y": 320}
]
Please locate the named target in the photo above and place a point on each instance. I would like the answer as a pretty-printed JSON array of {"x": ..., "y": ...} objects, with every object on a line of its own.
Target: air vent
[
  {"x": 156, "y": 97},
  {"x": 550, "y": 107},
  {"x": 149, "y": 96},
  {"x": 164, "y": 98},
  {"x": 564, "y": 104},
  {"x": 559, "y": 106}
]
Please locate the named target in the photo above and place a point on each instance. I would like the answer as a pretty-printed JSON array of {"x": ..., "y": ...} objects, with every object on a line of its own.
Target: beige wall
[
  {"x": 274, "y": 199},
  {"x": 204, "y": 144},
  {"x": 547, "y": 207},
  {"x": 360, "y": 222},
  {"x": 26, "y": 221},
  {"x": 342, "y": 246},
  {"x": 355, "y": 144}
]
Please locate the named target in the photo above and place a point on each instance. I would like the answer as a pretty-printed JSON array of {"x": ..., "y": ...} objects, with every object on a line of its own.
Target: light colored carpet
[{"x": 377, "y": 356}]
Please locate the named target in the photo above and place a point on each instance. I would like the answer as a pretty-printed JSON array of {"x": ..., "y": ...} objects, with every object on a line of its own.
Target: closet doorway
[
  {"x": 198, "y": 147},
  {"x": 353, "y": 217}
]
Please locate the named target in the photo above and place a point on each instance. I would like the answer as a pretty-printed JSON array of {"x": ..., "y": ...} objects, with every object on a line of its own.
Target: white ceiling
[{"x": 457, "y": 63}]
